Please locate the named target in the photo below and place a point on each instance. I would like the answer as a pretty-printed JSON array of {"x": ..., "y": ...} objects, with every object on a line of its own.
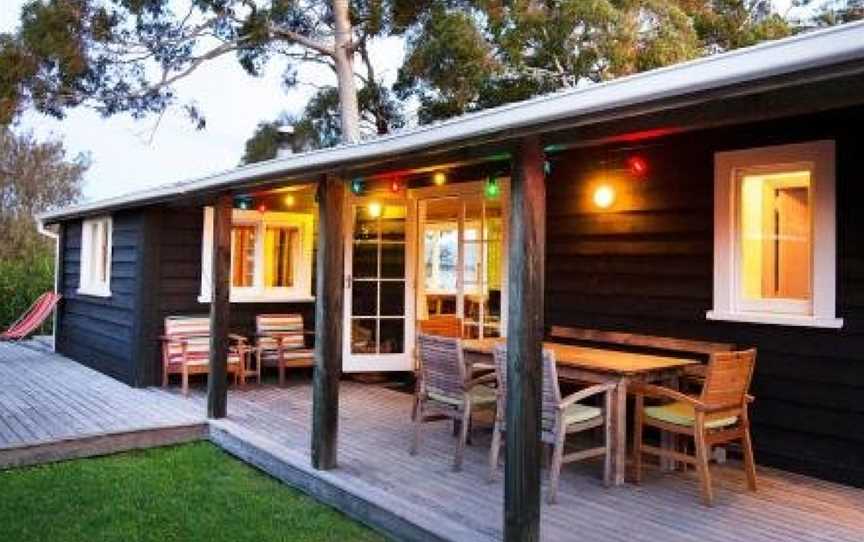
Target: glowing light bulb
[
  {"x": 290, "y": 200},
  {"x": 375, "y": 209},
  {"x": 357, "y": 186},
  {"x": 440, "y": 178},
  {"x": 637, "y": 165},
  {"x": 395, "y": 187},
  {"x": 262, "y": 208},
  {"x": 492, "y": 188},
  {"x": 604, "y": 196}
]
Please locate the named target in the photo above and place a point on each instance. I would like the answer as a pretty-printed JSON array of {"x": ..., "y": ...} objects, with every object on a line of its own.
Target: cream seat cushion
[{"x": 681, "y": 413}]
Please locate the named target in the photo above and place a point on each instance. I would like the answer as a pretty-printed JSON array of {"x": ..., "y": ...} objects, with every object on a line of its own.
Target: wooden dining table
[{"x": 600, "y": 366}]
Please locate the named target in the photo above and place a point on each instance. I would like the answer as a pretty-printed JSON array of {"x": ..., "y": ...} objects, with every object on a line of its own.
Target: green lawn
[{"x": 182, "y": 493}]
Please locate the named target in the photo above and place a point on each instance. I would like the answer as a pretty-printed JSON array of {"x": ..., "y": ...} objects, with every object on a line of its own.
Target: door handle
[{"x": 348, "y": 282}]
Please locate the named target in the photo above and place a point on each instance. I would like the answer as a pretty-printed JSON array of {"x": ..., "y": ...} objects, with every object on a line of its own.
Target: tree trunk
[{"x": 344, "y": 58}]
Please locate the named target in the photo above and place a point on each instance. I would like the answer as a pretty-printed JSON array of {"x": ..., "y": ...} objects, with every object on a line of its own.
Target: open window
[
  {"x": 271, "y": 256},
  {"x": 774, "y": 239},
  {"x": 95, "y": 278}
]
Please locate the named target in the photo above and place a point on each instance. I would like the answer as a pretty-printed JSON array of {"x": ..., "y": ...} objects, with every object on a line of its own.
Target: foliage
[
  {"x": 822, "y": 13},
  {"x": 34, "y": 177},
  {"x": 124, "y": 56},
  {"x": 189, "y": 492},
  {"x": 22, "y": 280},
  {"x": 318, "y": 126}
]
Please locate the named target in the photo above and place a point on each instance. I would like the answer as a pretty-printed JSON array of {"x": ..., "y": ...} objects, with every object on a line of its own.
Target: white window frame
[
  {"x": 257, "y": 293},
  {"x": 89, "y": 284},
  {"x": 817, "y": 157}
]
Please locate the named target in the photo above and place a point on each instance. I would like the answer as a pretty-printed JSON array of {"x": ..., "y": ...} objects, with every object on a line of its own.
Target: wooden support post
[
  {"x": 217, "y": 381},
  {"x": 527, "y": 242},
  {"x": 328, "y": 323}
]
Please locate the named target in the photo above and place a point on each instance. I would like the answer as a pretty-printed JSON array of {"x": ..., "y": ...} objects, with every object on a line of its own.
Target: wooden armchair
[
  {"x": 561, "y": 416},
  {"x": 446, "y": 390},
  {"x": 281, "y": 343},
  {"x": 718, "y": 415},
  {"x": 186, "y": 349}
]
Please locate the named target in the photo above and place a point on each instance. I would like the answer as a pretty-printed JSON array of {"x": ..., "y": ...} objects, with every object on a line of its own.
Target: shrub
[{"x": 21, "y": 282}]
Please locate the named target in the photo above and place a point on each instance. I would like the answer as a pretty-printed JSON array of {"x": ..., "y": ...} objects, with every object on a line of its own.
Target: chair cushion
[
  {"x": 681, "y": 413},
  {"x": 480, "y": 396},
  {"x": 577, "y": 413}
]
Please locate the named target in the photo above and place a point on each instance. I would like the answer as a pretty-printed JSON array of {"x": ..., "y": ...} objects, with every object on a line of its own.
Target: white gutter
[
  {"x": 803, "y": 52},
  {"x": 40, "y": 227}
]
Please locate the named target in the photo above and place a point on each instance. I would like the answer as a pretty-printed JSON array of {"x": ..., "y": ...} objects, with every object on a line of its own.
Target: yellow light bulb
[
  {"x": 604, "y": 196},
  {"x": 290, "y": 200},
  {"x": 374, "y": 209},
  {"x": 439, "y": 178}
]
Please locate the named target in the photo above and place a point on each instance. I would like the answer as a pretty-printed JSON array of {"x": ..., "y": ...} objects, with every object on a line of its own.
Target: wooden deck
[
  {"x": 422, "y": 498},
  {"x": 52, "y": 408}
]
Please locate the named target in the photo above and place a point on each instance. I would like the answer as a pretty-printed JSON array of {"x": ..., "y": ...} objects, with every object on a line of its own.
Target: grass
[{"x": 183, "y": 493}]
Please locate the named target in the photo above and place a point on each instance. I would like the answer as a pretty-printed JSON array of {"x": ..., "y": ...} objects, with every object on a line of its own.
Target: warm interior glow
[
  {"x": 776, "y": 240},
  {"x": 374, "y": 209},
  {"x": 604, "y": 196},
  {"x": 279, "y": 245}
]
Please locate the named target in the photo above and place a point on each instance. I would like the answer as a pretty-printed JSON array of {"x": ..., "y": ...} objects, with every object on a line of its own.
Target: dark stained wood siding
[
  {"x": 646, "y": 267},
  {"x": 178, "y": 284},
  {"x": 100, "y": 332}
]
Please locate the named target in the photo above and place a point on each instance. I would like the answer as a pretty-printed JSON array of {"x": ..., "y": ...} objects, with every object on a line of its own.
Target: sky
[{"x": 128, "y": 155}]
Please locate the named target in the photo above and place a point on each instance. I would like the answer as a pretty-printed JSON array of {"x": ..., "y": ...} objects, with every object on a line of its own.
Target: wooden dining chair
[
  {"x": 718, "y": 415},
  {"x": 446, "y": 390},
  {"x": 561, "y": 418}
]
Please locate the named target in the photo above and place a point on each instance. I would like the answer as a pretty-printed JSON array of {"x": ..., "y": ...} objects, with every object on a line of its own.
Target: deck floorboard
[
  {"x": 375, "y": 432},
  {"x": 54, "y": 403}
]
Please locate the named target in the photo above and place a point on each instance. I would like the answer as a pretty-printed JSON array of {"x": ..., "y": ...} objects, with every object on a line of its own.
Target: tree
[
  {"x": 466, "y": 55},
  {"x": 823, "y": 13},
  {"x": 125, "y": 55},
  {"x": 319, "y": 125},
  {"x": 34, "y": 177}
]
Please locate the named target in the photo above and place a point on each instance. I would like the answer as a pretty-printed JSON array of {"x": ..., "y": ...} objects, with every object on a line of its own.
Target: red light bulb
[
  {"x": 637, "y": 165},
  {"x": 262, "y": 208},
  {"x": 395, "y": 186}
]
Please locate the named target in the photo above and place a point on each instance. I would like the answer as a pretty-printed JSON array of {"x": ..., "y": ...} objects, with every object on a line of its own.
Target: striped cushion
[{"x": 233, "y": 359}]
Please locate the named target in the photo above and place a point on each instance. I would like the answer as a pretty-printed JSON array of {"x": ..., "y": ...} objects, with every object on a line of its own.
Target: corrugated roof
[{"x": 807, "y": 51}]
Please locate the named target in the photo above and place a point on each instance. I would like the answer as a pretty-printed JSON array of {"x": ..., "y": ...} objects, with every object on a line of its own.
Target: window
[
  {"x": 774, "y": 235},
  {"x": 96, "y": 257},
  {"x": 271, "y": 256}
]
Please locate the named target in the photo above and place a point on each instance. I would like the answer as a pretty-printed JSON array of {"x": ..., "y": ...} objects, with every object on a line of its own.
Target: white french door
[
  {"x": 462, "y": 268},
  {"x": 378, "y": 315}
]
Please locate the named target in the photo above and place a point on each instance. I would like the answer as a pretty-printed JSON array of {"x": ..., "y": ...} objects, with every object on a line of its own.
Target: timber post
[
  {"x": 526, "y": 248},
  {"x": 217, "y": 381},
  {"x": 328, "y": 323}
]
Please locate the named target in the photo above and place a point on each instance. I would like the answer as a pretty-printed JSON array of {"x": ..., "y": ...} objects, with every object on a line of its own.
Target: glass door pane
[
  {"x": 377, "y": 317},
  {"x": 461, "y": 262}
]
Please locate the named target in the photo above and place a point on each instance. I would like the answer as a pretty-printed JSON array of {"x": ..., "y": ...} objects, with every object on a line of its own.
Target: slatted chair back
[
  {"x": 551, "y": 395},
  {"x": 442, "y": 367},
  {"x": 728, "y": 378},
  {"x": 500, "y": 355},
  {"x": 287, "y": 326},
  {"x": 195, "y": 330},
  {"x": 445, "y": 326}
]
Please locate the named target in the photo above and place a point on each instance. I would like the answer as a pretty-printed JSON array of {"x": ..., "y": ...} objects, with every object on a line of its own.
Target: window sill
[
  {"x": 93, "y": 292},
  {"x": 776, "y": 319},
  {"x": 263, "y": 299}
]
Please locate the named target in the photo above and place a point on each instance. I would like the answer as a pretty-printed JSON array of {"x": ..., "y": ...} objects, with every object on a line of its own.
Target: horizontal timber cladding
[
  {"x": 646, "y": 267},
  {"x": 177, "y": 285},
  {"x": 100, "y": 332}
]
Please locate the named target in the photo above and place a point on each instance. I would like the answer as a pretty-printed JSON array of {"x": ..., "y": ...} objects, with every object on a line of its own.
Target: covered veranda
[
  {"x": 378, "y": 482},
  {"x": 525, "y": 141}
]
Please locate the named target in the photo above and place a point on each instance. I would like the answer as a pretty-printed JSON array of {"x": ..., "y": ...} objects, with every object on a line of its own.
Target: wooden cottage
[{"x": 711, "y": 201}]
